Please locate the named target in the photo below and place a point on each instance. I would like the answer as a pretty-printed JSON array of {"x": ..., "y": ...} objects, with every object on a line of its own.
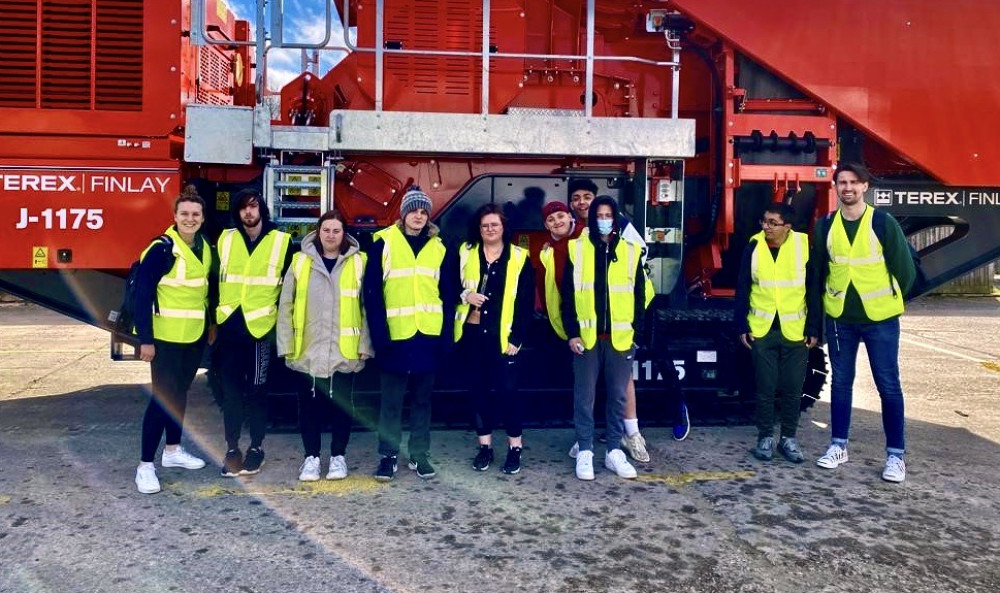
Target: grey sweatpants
[{"x": 617, "y": 368}]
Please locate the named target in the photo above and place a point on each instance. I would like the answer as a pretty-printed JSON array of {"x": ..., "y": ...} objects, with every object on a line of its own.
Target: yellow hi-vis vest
[
  {"x": 410, "y": 285},
  {"x": 351, "y": 318},
  {"x": 862, "y": 264},
  {"x": 182, "y": 293},
  {"x": 779, "y": 286},
  {"x": 251, "y": 281},
  {"x": 553, "y": 300},
  {"x": 468, "y": 262},
  {"x": 621, "y": 291}
]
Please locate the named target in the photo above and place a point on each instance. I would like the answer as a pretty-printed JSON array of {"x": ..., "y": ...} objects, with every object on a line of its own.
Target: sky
[{"x": 303, "y": 23}]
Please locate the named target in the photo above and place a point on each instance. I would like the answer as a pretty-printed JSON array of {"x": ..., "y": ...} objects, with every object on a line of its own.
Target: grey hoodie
[{"x": 321, "y": 355}]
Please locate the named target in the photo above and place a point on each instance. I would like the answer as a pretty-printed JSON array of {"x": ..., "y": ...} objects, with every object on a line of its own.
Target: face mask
[{"x": 605, "y": 225}]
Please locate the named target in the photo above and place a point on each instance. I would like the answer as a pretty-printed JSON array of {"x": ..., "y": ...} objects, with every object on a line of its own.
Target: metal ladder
[{"x": 297, "y": 194}]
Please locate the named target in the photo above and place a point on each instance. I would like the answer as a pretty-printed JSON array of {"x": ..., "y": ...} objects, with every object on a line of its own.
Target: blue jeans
[{"x": 882, "y": 343}]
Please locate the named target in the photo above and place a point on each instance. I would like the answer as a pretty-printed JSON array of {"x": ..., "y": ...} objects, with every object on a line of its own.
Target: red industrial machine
[{"x": 694, "y": 114}]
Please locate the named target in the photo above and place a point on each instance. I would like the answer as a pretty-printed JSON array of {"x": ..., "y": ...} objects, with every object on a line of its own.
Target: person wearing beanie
[
  {"x": 407, "y": 298},
  {"x": 253, "y": 259},
  {"x": 562, "y": 228}
]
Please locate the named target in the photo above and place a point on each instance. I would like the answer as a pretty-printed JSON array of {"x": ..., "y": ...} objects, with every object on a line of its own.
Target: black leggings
[
  {"x": 326, "y": 400},
  {"x": 493, "y": 392},
  {"x": 173, "y": 369}
]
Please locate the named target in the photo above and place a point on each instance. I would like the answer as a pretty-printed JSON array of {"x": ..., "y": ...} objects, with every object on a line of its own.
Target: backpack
[{"x": 123, "y": 320}]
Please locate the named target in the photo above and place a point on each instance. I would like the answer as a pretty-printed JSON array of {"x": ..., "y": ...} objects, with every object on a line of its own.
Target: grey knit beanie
[{"x": 414, "y": 199}]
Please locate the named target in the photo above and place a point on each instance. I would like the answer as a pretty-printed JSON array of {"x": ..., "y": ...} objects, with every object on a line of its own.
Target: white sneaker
[
  {"x": 585, "y": 465},
  {"x": 895, "y": 469},
  {"x": 181, "y": 458},
  {"x": 635, "y": 445},
  {"x": 616, "y": 461},
  {"x": 309, "y": 470},
  {"x": 146, "y": 480},
  {"x": 574, "y": 450},
  {"x": 338, "y": 468},
  {"x": 835, "y": 455}
]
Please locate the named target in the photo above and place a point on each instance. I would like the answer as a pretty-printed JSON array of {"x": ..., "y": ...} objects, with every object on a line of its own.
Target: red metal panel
[
  {"x": 111, "y": 53},
  {"x": 99, "y": 217},
  {"x": 919, "y": 75}
]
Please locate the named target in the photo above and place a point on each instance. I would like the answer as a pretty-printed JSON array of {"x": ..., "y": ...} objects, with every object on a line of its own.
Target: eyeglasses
[
  {"x": 771, "y": 223},
  {"x": 490, "y": 225}
]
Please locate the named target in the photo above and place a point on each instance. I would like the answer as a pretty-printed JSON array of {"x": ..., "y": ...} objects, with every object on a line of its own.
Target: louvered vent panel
[
  {"x": 18, "y": 29},
  {"x": 66, "y": 46},
  {"x": 119, "y": 55},
  {"x": 433, "y": 24}
]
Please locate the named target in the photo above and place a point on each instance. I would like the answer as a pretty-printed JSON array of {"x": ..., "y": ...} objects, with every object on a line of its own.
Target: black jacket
[
  {"x": 421, "y": 353},
  {"x": 603, "y": 257}
]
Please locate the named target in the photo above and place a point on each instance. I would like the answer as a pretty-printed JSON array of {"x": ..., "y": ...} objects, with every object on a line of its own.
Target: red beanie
[{"x": 551, "y": 207}]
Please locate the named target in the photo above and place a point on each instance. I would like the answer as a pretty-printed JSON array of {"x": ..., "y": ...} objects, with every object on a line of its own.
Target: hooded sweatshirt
[
  {"x": 235, "y": 327},
  {"x": 321, "y": 356},
  {"x": 603, "y": 257}
]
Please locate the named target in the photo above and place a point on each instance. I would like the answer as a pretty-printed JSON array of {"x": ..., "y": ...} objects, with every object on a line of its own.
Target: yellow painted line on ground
[
  {"x": 990, "y": 365},
  {"x": 691, "y": 477},
  {"x": 349, "y": 485}
]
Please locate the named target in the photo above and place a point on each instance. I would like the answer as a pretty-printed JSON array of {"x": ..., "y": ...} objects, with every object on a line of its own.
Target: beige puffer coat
[{"x": 321, "y": 355}]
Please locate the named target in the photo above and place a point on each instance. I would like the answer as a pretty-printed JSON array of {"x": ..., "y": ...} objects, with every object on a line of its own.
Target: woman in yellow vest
[
  {"x": 322, "y": 333},
  {"x": 172, "y": 321},
  {"x": 491, "y": 322},
  {"x": 778, "y": 316}
]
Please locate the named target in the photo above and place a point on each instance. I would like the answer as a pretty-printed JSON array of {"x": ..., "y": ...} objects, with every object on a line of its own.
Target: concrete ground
[{"x": 703, "y": 516}]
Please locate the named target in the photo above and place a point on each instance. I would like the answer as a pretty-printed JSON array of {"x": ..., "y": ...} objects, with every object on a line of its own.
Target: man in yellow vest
[
  {"x": 253, "y": 259},
  {"x": 778, "y": 315},
  {"x": 407, "y": 300},
  {"x": 603, "y": 301},
  {"x": 864, "y": 263}
]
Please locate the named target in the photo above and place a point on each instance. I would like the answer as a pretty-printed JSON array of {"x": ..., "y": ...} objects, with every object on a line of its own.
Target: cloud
[{"x": 305, "y": 22}]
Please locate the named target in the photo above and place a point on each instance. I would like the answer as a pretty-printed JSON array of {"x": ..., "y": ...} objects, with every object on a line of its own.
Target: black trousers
[
  {"x": 390, "y": 417},
  {"x": 493, "y": 391},
  {"x": 173, "y": 369},
  {"x": 779, "y": 370},
  {"x": 326, "y": 400},
  {"x": 243, "y": 368}
]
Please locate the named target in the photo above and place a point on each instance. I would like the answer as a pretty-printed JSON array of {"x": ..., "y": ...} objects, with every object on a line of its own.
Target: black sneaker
[
  {"x": 422, "y": 466},
  {"x": 513, "y": 463},
  {"x": 789, "y": 449},
  {"x": 233, "y": 464},
  {"x": 254, "y": 461},
  {"x": 483, "y": 459},
  {"x": 764, "y": 449},
  {"x": 386, "y": 468}
]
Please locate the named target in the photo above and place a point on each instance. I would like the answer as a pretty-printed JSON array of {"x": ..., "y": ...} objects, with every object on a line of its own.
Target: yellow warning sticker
[
  {"x": 221, "y": 10},
  {"x": 222, "y": 201},
  {"x": 39, "y": 257}
]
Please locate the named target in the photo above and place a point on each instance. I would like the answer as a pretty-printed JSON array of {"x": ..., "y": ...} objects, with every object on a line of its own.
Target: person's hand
[
  {"x": 512, "y": 350},
  {"x": 147, "y": 352},
  {"x": 576, "y": 345},
  {"x": 811, "y": 341},
  {"x": 747, "y": 340},
  {"x": 213, "y": 332},
  {"x": 476, "y": 299}
]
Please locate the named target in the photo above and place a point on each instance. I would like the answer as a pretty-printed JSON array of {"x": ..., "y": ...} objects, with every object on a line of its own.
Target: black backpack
[{"x": 123, "y": 320}]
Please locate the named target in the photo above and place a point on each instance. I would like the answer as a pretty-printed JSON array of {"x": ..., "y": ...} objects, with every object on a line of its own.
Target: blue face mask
[{"x": 604, "y": 226}]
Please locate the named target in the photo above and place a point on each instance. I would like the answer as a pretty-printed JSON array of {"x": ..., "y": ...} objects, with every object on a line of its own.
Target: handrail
[{"x": 380, "y": 51}]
